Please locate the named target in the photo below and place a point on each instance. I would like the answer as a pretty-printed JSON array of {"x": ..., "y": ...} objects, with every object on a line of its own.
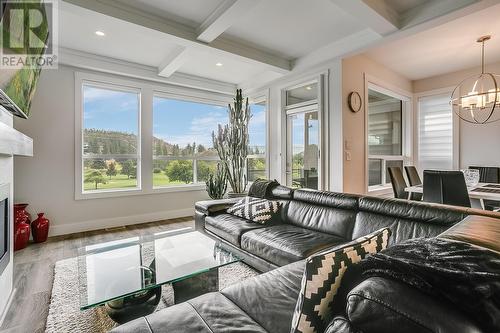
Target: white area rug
[{"x": 64, "y": 310}]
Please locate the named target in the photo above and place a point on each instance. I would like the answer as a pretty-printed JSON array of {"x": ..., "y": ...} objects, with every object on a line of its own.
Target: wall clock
[{"x": 354, "y": 101}]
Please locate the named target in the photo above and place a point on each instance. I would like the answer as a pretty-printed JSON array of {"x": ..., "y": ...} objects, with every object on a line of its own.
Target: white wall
[
  {"x": 46, "y": 181},
  {"x": 478, "y": 143}
]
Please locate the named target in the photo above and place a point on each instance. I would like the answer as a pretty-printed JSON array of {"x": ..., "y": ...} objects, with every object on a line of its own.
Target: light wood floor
[{"x": 34, "y": 270}]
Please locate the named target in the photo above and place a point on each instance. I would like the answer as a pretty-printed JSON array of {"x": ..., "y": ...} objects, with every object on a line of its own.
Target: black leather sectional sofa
[{"x": 311, "y": 221}]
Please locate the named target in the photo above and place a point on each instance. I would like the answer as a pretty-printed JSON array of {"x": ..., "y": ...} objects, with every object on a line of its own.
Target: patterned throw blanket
[{"x": 460, "y": 273}]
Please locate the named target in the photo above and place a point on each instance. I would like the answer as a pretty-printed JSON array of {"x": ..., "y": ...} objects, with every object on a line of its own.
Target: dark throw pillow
[
  {"x": 322, "y": 279},
  {"x": 262, "y": 188},
  {"x": 256, "y": 209}
]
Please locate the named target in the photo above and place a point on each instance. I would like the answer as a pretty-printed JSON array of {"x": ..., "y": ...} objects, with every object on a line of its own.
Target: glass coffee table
[{"x": 126, "y": 275}]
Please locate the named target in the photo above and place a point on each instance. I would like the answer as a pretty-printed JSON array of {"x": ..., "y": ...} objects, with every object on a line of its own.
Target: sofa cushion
[
  {"x": 284, "y": 244},
  {"x": 327, "y": 212},
  {"x": 376, "y": 305},
  {"x": 220, "y": 313},
  {"x": 229, "y": 227},
  {"x": 322, "y": 279},
  {"x": 175, "y": 319},
  {"x": 269, "y": 298},
  {"x": 402, "y": 229},
  {"x": 256, "y": 209}
]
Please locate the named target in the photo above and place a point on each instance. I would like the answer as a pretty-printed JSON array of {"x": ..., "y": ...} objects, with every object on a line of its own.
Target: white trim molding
[{"x": 114, "y": 222}]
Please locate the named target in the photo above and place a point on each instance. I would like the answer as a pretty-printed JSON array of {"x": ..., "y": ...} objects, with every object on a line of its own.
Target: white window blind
[{"x": 435, "y": 143}]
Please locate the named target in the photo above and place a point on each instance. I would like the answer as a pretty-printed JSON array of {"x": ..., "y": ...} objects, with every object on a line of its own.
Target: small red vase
[
  {"x": 20, "y": 213},
  {"x": 40, "y": 228},
  {"x": 21, "y": 235}
]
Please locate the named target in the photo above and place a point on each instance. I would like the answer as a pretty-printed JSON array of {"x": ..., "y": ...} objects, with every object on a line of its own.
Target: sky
[{"x": 175, "y": 121}]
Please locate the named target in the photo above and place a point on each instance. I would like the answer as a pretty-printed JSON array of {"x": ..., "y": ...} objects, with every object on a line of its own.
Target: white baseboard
[
  {"x": 7, "y": 306},
  {"x": 70, "y": 228}
]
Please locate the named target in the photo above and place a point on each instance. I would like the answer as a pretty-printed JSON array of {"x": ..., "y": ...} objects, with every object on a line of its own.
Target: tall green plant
[
  {"x": 217, "y": 182},
  {"x": 231, "y": 143}
]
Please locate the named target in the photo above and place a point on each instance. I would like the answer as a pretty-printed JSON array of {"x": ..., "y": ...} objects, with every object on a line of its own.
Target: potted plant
[
  {"x": 231, "y": 143},
  {"x": 217, "y": 183}
]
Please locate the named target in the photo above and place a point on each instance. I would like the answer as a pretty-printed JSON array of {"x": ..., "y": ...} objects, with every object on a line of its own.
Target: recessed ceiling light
[
  {"x": 219, "y": 64},
  {"x": 100, "y": 33},
  {"x": 308, "y": 88}
]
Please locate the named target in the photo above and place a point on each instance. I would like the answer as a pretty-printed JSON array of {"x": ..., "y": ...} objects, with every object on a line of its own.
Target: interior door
[{"x": 303, "y": 154}]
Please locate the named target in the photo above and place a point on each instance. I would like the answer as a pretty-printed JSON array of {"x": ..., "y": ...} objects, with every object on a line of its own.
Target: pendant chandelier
[{"x": 477, "y": 98}]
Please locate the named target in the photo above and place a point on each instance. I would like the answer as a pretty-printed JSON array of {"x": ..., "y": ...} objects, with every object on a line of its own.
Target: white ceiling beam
[
  {"x": 223, "y": 17},
  {"x": 174, "y": 60},
  {"x": 186, "y": 36},
  {"x": 89, "y": 61},
  {"x": 376, "y": 14}
]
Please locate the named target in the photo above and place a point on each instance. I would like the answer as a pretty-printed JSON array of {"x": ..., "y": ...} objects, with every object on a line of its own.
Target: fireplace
[{"x": 4, "y": 228}]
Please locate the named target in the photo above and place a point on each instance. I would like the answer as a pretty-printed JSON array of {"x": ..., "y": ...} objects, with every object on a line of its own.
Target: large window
[
  {"x": 385, "y": 136},
  {"x": 435, "y": 132},
  {"x": 110, "y": 138},
  {"x": 183, "y": 152},
  {"x": 257, "y": 130}
]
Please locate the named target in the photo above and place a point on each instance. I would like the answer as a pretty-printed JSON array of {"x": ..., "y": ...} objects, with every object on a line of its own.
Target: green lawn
[
  {"x": 122, "y": 181},
  {"x": 161, "y": 179}
]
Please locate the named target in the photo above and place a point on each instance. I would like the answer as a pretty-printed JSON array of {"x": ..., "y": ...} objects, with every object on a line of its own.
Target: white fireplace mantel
[{"x": 13, "y": 142}]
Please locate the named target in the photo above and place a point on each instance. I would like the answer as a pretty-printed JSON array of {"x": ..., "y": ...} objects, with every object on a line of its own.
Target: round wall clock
[{"x": 354, "y": 101}]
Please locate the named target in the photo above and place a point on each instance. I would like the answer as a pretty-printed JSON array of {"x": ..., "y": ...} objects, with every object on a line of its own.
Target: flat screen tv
[{"x": 18, "y": 85}]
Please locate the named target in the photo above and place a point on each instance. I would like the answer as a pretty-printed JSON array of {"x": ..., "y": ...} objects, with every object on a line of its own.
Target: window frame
[
  {"x": 321, "y": 103},
  {"x": 201, "y": 98},
  {"x": 262, "y": 96},
  {"x": 455, "y": 124},
  {"x": 407, "y": 119},
  {"x": 145, "y": 134},
  {"x": 111, "y": 83}
]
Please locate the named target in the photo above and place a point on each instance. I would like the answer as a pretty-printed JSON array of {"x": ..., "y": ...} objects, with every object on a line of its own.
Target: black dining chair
[
  {"x": 446, "y": 187},
  {"x": 489, "y": 175},
  {"x": 398, "y": 182},
  {"x": 414, "y": 180}
]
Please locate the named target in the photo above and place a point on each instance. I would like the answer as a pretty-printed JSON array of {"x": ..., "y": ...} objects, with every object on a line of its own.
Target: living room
[{"x": 197, "y": 166}]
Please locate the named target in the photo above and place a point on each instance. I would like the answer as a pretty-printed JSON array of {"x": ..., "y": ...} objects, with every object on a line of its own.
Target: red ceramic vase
[
  {"x": 21, "y": 235},
  {"x": 40, "y": 228},
  {"x": 20, "y": 213}
]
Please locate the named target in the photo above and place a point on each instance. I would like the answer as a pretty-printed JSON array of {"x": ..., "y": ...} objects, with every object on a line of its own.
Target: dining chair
[
  {"x": 414, "y": 180},
  {"x": 489, "y": 175},
  {"x": 412, "y": 174},
  {"x": 398, "y": 182},
  {"x": 446, "y": 187}
]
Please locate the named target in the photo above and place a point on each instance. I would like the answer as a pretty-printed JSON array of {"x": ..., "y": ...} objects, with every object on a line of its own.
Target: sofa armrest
[
  {"x": 210, "y": 207},
  {"x": 382, "y": 305}
]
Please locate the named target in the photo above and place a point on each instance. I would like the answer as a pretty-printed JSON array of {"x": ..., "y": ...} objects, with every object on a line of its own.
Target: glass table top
[{"x": 116, "y": 269}]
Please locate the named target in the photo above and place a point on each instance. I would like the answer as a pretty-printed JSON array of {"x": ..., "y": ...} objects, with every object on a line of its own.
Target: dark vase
[
  {"x": 21, "y": 235},
  {"x": 40, "y": 228},
  {"x": 20, "y": 213}
]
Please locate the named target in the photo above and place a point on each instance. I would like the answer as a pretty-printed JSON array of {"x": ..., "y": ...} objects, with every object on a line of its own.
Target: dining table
[{"x": 480, "y": 191}]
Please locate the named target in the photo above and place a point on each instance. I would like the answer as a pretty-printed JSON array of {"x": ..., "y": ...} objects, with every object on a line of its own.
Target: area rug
[{"x": 65, "y": 314}]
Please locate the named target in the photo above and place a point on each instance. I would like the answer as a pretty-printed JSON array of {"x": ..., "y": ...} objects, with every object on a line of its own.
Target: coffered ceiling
[{"x": 237, "y": 41}]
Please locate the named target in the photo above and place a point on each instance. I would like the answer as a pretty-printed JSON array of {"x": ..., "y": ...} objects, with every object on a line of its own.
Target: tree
[
  {"x": 205, "y": 168},
  {"x": 99, "y": 164},
  {"x": 111, "y": 169},
  {"x": 201, "y": 148},
  {"x": 180, "y": 170},
  {"x": 128, "y": 168},
  {"x": 95, "y": 177}
]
